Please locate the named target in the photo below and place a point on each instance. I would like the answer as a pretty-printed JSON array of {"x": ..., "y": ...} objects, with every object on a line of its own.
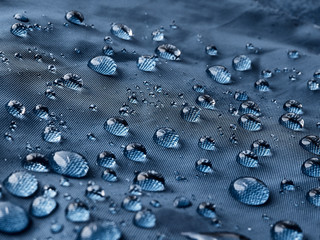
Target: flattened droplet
[
  {"x": 190, "y": 113},
  {"x": 109, "y": 175},
  {"x": 106, "y": 159},
  {"x": 261, "y": 148},
  {"x": 41, "y": 111},
  {"x": 70, "y": 80},
  {"x": 103, "y": 64},
  {"x": 311, "y": 167},
  {"x": 75, "y": 17},
  {"x": 292, "y": 121},
  {"x": 13, "y": 219},
  {"x": 70, "y": 164},
  {"x": 286, "y": 230},
  {"x": 43, "y": 206},
  {"x": 293, "y": 106},
  {"x": 182, "y": 202},
  {"x": 21, "y": 184},
  {"x": 105, "y": 230},
  {"x": 168, "y": 51},
  {"x": 166, "y": 137},
  {"x": 132, "y": 204},
  {"x": 135, "y": 152},
  {"x": 206, "y": 101},
  {"x": 249, "y": 190},
  {"x": 250, "y": 107},
  {"x": 150, "y": 181},
  {"x": 145, "y": 219},
  {"x": 311, "y": 144},
  {"x": 117, "y": 126},
  {"x": 220, "y": 74},
  {"x": 146, "y": 63},
  {"x": 19, "y": 30},
  {"x": 16, "y": 109},
  {"x": 250, "y": 122},
  {"x": 77, "y": 212},
  {"x": 121, "y": 31},
  {"x": 313, "y": 196},
  {"x": 247, "y": 159},
  {"x": 51, "y": 134},
  {"x": 207, "y": 143},
  {"x": 262, "y": 85},
  {"x": 21, "y": 17},
  {"x": 36, "y": 162},
  {"x": 204, "y": 165}
]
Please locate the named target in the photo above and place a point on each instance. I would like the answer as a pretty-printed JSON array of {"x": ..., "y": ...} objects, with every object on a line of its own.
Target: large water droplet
[
  {"x": 121, "y": 31},
  {"x": 204, "y": 165},
  {"x": 241, "y": 63},
  {"x": 250, "y": 107},
  {"x": 75, "y": 17},
  {"x": 207, "y": 209},
  {"x": 292, "y": 121},
  {"x": 207, "y": 143},
  {"x": 145, "y": 219},
  {"x": 19, "y": 30},
  {"x": 150, "y": 181},
  {"x": 77, "y": 212},
  {"x": 13, "y": 219},
  {"x": 41, "y": 111},
  {"x": 70, "y": 164},
  {"x": 311, "y": 143},
  {"x": 70, "y": 80},
  {"x": 247, "y": 159},
  {"x": 132, "y": 204},
  {"x": 249, "y": 190},
  {"x": 103, "y": 64},
  {"x": 21, "y": 17},
  {"x": 135, "y": 152},
  {"x": 313, "y": 196},
  {"x": 168, "y": 51},
  {"x": 206, "y": 101},
  {"x": 36, "y": 162},
  {"x": 286, "y": 230},
  {"x": 293, "y": 106},
  {"x": 21, "y": 184},
  {"x": 250, "y": 122},
  {"x": 311, "y": 167},
  {"x": 16, "y": 109},
  {"x": 190, "y": 113},
  {"x": 43, "y": 206},
  {"x": 146, "y": 63},
  {"x": 166, "y": 137},
  {"x": 214, "y": 236},
  {"x": 106, "y": 159},
  {"x": 51, "y": 134},
  {"x": 117, "y": 126},
  {"x": 105, "y": 230},
  {"x": 261, "y": 148},
  {"x": 220, "y": 74}
]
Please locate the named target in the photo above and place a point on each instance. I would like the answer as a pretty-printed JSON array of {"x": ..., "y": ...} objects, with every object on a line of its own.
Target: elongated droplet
[
  {"x": 292, "y": 121},
  {"x": 146, "y": 63},
  {"x": 19, "y": 30},
  {"x": 75, "y": 17},
  {"x": 220, "y": 74},
  {"x": 214, "y": 236},
  {"x": 121, "y": 31},
  {"x": 103, "y": 64},
  {"x": 168, "y": 51}
]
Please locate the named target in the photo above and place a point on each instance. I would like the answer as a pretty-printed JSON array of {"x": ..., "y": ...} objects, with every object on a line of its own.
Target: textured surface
[{"x": 229, "y": 25}]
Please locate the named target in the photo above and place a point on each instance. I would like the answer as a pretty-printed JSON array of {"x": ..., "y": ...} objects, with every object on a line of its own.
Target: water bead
[
  {"x": 109, "y": 175},
  {"x": 293, "y": 106},
  {"x": 261, "y": 148},
  {"x": 241, "y": 63},
  {"x": 150, "y": 181},
  {"x": 75, "y": 17},
  {"x": 293, "y": 54},
  {"x": 16, "y": 109},
  {"x": 70, "y": 80},
  {"x": 13, "y": 219},
  {"x": 121, "y": 31},
  {"x": 157, "y": 35},
  {"x": 249, "y": 190},
  {"x": 36, "y": 162},
  {"x": 155, "y": 203},
  {"x": 168, "y": 51},
  {"x": 311, "y": 144},
  {"x": 77, "y": 212},
  {"x": 211, "y": 50},
  {"x": 146, "y": 63},
  {"x": 313, "y": 85},
  {"x": 190, "y": 113},
  {"x": 41, "y": 111},
  {"x": 266, "y": 73},
  {"x": 52, "y": 134},
  {"x": 250, "y": 107},
  {"x": 19, "y": 30},
  {"x": 220, "y": 74},
  {"x": 287, "y": 185},
  {"x": 108, "y": 50},
  {"x": 70, "y": 164},
  {"x": 247, "y": 158},
  {"x": 103, "y": 230},
  {"x": 21, "y": 184},
  {"x": 241, "y": 96},
  {"x": 43, "y": 206},
  {"x": 207, "y": 210},
  {"x": 182, "y": 202},
  {"x": 311, "y": 167},
  {"x": 95, "y": 193},
  {"x": 204, "y": 165},
  {"x": 313, "y": 196},
  {"x": 21, "y": 17},
  {"x": 262, "y": 85},
  {"x": 250, "y": 122},
  {"x": 132, "y": 204},
  {"x": 292, "y": 121},
  {"x": 117, "y": 126},
  {"x": 166, "y": 137},
  {"x": 135, "y": 152},
  {"x": 214, "y": 236},
  {"x": 207, "y": 143},
  {"x": 106, "y": 159},
  {"x": 145, "y": 219},
  {"x": 103, "y": 64},
  {"x": 206, "y": 101},
  {"x": 198, "y": 88},
  {"x": 286, "y": 230},
  {"x": 50, "y": 93},
  {"x": 49, "y": 191}
]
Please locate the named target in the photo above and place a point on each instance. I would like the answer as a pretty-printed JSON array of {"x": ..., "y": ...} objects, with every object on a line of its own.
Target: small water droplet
[
  {"x": 103, "y": 64},
  {"x": 77, "y": 212},
  {"x": 247, "y": 158},
  {"x": 16, "y": 109},
  {"x": 207, "y": 210},
  {"x": 166, "y": 137},
  {"x": 220, "y": 74},
  {"x": 292, "y": 121},
  {"x": 145, "y": 219},
  {"x": 75, "y": 17}
]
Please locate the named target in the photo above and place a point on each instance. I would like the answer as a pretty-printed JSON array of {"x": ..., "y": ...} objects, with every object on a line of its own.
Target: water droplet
[
  {"x": 121, "y": 31},
  {"x": 64, "y": 182},
  {"x": 166, "y": 137},
  {"x": 182, "y": 202},
  {"x": 241, "y": 63},
  {"x": 250, "y": 107},
  {"x": 41, "y": 111},
  {"x": 95, "y": 193},
  {"x": 287, "y": 185},
  {"x": 75, "y": 17},
  {"x": 293, "y": 106},
  {"x": 145, "y": 219},
  {"x": 36, "y": 162},
  {"x": 91, "y": 137},
  {"x": 50, "y": 93},
  {"x": 13, "y": 219},
  {"x": 77, "y": 212},
  {"x": 52, "y": 68},
  {"x": 155, "y": 203},
  {"x": 311, "y": 167},
  {"x": 262, "y": 85},
  {"x": 21, "y": 184},
  {"x": 214, "y": 236},
  {"x": 21, "y": 17},
  {"x": 313, "y": 85},
  {"x": 100, "y": 230},
  {"x": 146, "y": 63},
  {"x": 107, "y": 50},
  {"x": 286, "y": 230},
  {"x": 198, "y": 88},
  {"x": 190, "y": 113},
  {"x": 292, "y": 121},
  {"x": 19, "y": 30},
  {"x": 313, "y": 196},
  {"x": 249, "y": 190},
  {"x": 103, "y": 64},
  {"x": 241, "y": 96},
  {"x": 117, "y": 126},
  {"x": 206, "y": 101},
  {"x": 211, "y": 50},
  {"x": 293, "y": 54},
  {"x": 207, "y": 210},
  {"x": 51, "y": 134},
  {"x": 16, "y": 109},
  {"x": 70, "y": 80},
  {"x": 135, "y": 152},
  {"x": 150, "y": 181},
  {"x": 311, "y": 144},
  {"x": 49, "y": 191},
  {"x": 207, "y": 143},
  {"x": 132, "y": 204},
  {"x": 204, "y": 165},
  {"x": 261, "y": 148},
  {"x": 106, "y": 159},
  {"x": 43, "y": 206},
  {"x": 157, "y": 35},
  {"x": 220, "y": 74},
  {"x": 109, "y": 175},
  {"x": 250, "y": 122},
  {"x": 266, "y": 73},
  {"x": 247, "y": 158},
  {"x": 168, "y": 51},
  {"x": 70, "y": 164}
]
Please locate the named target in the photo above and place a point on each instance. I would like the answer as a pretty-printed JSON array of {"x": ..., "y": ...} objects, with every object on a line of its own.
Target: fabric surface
[{"x": 272, "y": 26}]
